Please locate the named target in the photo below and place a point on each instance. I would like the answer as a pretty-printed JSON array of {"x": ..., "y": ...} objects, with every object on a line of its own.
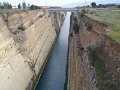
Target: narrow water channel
[{"x": 53, "y": 76}]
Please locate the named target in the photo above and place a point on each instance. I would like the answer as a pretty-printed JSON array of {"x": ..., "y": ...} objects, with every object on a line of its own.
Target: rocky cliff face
[
  {"x": 81, "y": 73},
  {"x": 26, "y": 39},
  {"x": 103, "y": 47},
  {"x": 86, "y": 47}
]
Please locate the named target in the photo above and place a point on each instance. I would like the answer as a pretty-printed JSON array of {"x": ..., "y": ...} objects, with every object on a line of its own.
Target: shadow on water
[{"x": 53, "y": 76}]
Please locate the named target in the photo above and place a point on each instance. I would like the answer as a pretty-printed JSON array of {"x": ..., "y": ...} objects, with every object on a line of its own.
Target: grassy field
[{"x": 111, "y": 17}]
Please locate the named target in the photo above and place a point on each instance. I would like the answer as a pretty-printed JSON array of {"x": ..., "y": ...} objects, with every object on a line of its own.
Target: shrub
[
  {"x": 83, "y": 12},
  {"x": 82, "y": 48},
  {"x": 81, "y": 15},
  {"x": 21, "y": 27},
  {"x": 6, "y": 20},
  {"x": 33, "y": 7},
  {"x": 40, "y": 16},
  {"x": 89, "y": 26},
  {"x": 75, "y": 26},
  {"x": 75, "y": 20},
  {"x": 119, "y": 6},
  {"x": 16, "y": 32},
  {"x": 91, "y": 12}
]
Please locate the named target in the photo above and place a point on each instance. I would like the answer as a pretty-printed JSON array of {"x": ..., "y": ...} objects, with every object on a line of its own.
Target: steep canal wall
[
  {"x": 25, "y": 41},
  {"x": 93, "y": 57},
  {"x": 103, "y": 51},
  {"x": 81, "y": 76}
]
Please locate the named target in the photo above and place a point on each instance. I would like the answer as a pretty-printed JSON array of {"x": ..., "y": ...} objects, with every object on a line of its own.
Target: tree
[
  {"x": 33, "y": 7},
  {"x": 93, "y": 4},
  {"x": 24, "y": 5},
  {"x": 9, "y": 6},
  {"x": 1, "y": 5},
  {"x": 19, "y": 6},
  {"x": 5, "y": 5},
  {"x": 119, "y": 6},
  {"x": 100, "y": 6}
]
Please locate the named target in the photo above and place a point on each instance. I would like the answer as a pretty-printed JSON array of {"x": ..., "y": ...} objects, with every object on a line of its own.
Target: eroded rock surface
[{"x": 25, "y": 41}]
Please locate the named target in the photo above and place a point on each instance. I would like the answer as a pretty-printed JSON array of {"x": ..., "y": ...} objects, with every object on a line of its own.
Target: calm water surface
[{"x": 53, "y": 76}]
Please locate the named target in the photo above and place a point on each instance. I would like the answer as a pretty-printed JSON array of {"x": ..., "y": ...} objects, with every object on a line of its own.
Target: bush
[
  {"x": 40, "y": 16},
  {"x": 33, "y": 7},
  {"x": 119, "y": 6},
  {"x": 81, "y": 15},
  {"x": 83, "y": 12},
  {"x": 75, "y": 26},
  {"x": 91, "y": 13},
  {"x": 82, "y": 48},
  {"x": 89, "y": 26},
  {"x": 21, "y": 27},
  {"x": 75, "y": 20}
]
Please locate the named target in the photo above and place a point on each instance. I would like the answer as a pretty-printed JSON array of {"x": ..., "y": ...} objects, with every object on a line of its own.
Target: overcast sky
[{"x": 54, "y": 2}]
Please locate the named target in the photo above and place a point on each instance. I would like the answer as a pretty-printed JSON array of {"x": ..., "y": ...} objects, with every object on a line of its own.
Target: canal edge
[{"x": 66, "y": 84}]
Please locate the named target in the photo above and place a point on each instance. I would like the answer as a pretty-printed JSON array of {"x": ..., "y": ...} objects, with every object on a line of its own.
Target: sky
[{"x": 55, "y": 2}]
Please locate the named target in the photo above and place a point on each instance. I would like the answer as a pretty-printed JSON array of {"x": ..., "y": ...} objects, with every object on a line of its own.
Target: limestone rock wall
[
  {"x": 81, "y": 74},
  {"x": 56, "y": 23},
  {"x": 23, "y": 51},
  {"x": 103, "y": 47},
  {"x": 14, "y": 71}
]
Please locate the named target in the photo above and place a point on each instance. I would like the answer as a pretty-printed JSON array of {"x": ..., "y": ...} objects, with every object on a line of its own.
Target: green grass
[
  {"x": 114, "y": 35},
  {"x": 101, "y": 76},
  {"x": 111, "y": 18},
  {"x": 100, "y": 72}
]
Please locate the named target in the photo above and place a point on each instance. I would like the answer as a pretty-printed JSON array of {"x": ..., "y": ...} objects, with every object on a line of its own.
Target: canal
[{"x": 53, "y": 76}]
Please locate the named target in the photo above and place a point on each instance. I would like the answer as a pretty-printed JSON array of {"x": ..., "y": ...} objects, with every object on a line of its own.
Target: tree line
[
  {"x": 93, "y": 4},
  {"x": 6, "y": 5}
]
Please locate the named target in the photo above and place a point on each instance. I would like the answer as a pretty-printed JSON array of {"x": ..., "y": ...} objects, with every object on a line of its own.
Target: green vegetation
[
  {"x": 111, "y": 17},
  {"x": 75, "y": 26},
  {"x": 119, "y": 6},
  {"x": 83, "y": 11},
  {"x": 102, "y": 79},
  {"x": 33, "y": 7},
  {"x": 24, "y": 5},
  {"x": 89, "y": 26},
  {"x": 19, "y": 6},
  {"x": 93, "y": 4},
  {"x": 5, "y": 5}
]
